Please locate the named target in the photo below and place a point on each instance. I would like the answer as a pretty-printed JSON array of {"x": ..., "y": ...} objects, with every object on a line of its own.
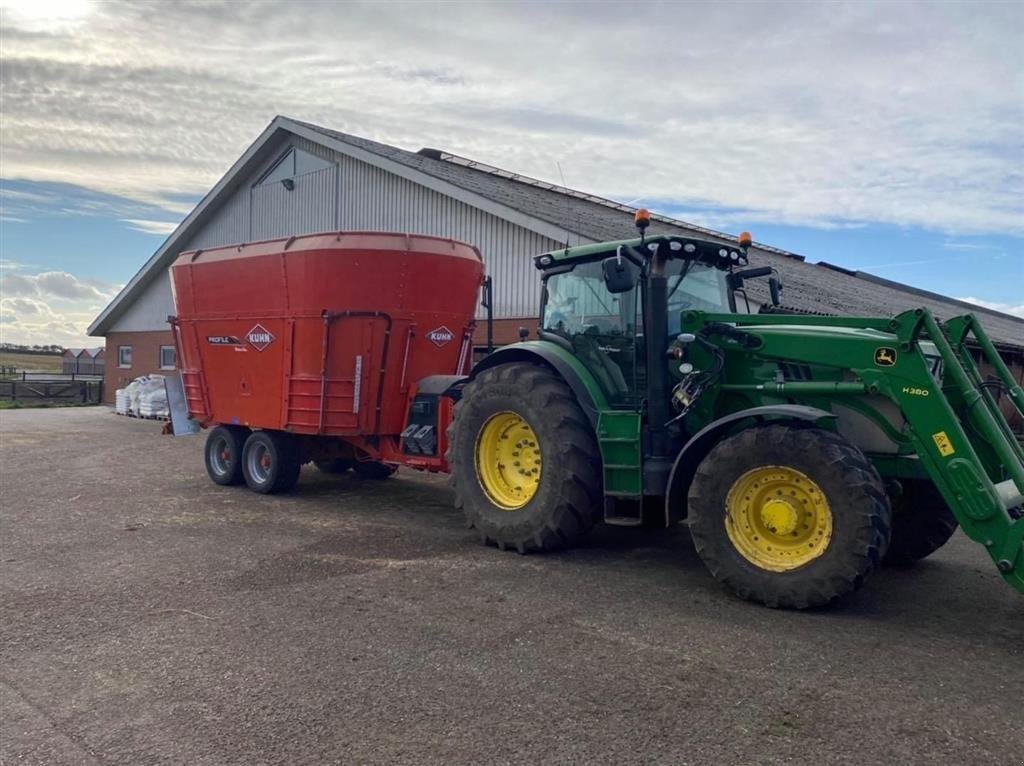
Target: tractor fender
[
  {"x": 697, "y": 448},
  {"x": 440, "y": 385},
  {"x": 563, "y": 363}
]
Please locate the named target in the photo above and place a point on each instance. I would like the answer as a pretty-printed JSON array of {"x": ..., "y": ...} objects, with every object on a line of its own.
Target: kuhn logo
[
  {"x": 259, "y": 337},
  {"x": 442, "y": 336}
]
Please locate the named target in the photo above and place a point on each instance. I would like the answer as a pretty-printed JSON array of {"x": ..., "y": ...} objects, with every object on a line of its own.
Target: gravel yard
[{"x": 149, "y": 616}]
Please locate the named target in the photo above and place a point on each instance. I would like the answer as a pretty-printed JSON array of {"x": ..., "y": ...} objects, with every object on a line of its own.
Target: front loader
[{"x": 801, "y": 451}]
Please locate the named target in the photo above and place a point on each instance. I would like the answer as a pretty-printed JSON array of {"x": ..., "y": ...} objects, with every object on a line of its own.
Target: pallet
[{"x": 160, "y": 418}]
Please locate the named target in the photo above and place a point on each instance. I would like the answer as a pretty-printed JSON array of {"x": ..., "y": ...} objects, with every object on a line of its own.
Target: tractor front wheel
[
  {"x": 525, "y": 463},
  {"x": 921, "y": 522},
  {"x": 789, "y": 516}
]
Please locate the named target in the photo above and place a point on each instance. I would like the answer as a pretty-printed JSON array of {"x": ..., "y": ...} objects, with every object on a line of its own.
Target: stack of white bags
[{"x": 145, "y": 397}]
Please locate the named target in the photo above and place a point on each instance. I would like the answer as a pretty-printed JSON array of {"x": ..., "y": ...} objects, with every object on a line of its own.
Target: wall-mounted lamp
[{"x": 288, "y": 183}]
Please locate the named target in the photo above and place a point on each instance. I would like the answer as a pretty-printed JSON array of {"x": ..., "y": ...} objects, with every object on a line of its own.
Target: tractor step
[
  {"x": 623, "y": 511},
  {"x": 618, "y": 434}
]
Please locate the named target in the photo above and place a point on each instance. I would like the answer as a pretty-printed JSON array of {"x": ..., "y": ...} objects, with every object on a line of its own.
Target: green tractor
[{"x": 801, "y": 451}]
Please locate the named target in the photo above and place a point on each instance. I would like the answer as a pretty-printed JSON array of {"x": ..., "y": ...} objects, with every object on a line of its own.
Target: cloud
[
  {"x": 31, "y": 320},
  {"x": 1006, "y": 308},
  {"x": 25, "y": 307},
  {"x": 152, "y": 227},
  {"x": 50, "y": 307},
  {"x": 56, "y": 284},
  {"x": 830, "y": 115}
]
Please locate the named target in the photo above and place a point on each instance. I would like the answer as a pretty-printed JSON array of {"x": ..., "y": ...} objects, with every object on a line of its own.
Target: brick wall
[{"x": 145, "y": 358}]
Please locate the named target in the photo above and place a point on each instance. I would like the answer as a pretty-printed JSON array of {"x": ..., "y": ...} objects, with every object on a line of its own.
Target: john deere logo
[
  {"x": 442, "y": 336},
  {"x": 259, "y": 337},
  {"x": 885, "y": 356}
]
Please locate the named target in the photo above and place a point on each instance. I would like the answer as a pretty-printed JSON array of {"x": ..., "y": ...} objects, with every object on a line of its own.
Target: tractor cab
[{"x": 594, "y": 296}]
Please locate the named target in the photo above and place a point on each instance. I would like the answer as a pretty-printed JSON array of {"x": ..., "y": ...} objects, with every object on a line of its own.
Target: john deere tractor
[{"x": 801, "y": 451}]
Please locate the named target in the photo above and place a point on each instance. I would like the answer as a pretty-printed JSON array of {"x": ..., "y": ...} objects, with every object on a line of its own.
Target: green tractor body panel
[
  {"x": 618, "y": 432},
  {"x": 945, "y": 424},
  {"x": 905, "y": 390}
]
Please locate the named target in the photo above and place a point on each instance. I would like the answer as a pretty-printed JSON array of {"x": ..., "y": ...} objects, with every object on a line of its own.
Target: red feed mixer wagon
[{"x": 334, "y": 348}]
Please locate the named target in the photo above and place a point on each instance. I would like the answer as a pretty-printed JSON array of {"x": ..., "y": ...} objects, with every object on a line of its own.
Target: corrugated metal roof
[{"x": 817, "y": 287}]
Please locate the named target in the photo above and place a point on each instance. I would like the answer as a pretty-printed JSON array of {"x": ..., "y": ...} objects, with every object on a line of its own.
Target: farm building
[
  {"x": 298, "y": 178},
  {"x": 83, "y": 361}
]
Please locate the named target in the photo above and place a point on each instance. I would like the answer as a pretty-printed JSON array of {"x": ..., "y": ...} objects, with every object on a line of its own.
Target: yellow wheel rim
[
  {"x": 508, "y": 460},
  {"x": 778, "y": 518}
]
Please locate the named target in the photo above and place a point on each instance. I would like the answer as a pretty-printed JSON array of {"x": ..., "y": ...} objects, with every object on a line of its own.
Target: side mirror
[
  {"x": 737, "y": 278},
  {"x": 775, "y": 288},
  {"x": 618, "y": 276}
]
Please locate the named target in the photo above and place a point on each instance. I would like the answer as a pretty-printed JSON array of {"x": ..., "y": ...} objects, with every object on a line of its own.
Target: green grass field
[{"x": 30, "y": 362}]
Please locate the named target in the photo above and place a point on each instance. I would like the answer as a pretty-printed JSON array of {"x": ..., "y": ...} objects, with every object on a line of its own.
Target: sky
[{"x": 884, "y": 137}]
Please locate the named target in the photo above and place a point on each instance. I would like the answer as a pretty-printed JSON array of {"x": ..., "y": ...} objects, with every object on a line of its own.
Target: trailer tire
[
  {"x": 788, "y": 515},
  {"x": 536, "y": 407},
  {"x": 921, "y": 522},
  {"x": 223, "y": 454},
  {"x": 374, "y": 470},
  {"x": 334, "y": 465},
  {"x": 270, "y": 462}
]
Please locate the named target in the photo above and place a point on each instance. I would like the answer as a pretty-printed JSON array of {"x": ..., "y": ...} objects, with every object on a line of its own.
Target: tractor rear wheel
[
  {"x": 373, "y": 470},
  {"x": 921, "y": 522},
  {"x": 334, "y": 465},
  {"x": 223, "y": 454},
  {"x": 525, "y": 463},
  {"x": 270, "y": 462},
  {"x": 789, "y": 516}
]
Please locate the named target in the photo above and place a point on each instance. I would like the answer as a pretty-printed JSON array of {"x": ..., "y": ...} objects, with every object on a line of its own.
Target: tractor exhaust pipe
[{"x": 658, "y": 460}]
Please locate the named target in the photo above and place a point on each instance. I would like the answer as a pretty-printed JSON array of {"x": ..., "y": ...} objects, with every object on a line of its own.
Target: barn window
[
  {"x": 124, "y": 356},
  {"x": 292, "y": 163},
  {"x": 168, "y": 358}
]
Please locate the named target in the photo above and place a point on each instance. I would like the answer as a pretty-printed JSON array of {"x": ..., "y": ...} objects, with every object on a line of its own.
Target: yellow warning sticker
[{"x": 943, "y": 443}]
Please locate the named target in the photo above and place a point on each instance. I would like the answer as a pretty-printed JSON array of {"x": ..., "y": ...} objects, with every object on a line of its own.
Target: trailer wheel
[
  {"x": 223, "y": 454},
  {"x": 789, "y": 516},
  {"x": 525, "y": 464},
  {"x": 921, "y": 522},
  {"x": 373, "y": 470},
  {"x": 270, "y": 462},
  {"x": 334, "y": 465}
]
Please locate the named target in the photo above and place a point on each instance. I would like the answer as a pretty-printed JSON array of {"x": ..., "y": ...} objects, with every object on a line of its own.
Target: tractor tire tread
[
  {"x": 577, "y": 499},
  {"x": 844, "y": 465}
]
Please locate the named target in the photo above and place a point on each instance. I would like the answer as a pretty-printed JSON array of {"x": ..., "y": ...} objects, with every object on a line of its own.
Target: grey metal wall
[{"x": 353, "y": 195}]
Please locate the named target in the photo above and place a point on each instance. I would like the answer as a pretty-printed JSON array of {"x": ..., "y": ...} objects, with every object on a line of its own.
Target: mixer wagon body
[{"x": 328, "y": 335}]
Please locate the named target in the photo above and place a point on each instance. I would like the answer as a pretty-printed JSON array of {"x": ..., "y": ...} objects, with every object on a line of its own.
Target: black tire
[
  {"x": 270, "y": 462},
  {"x": 921, "y": 522},
  {"x": 567, "y": 500},
  {"x": 374, "y": 471},
  {"x": 859, "y": 514},
  {"x": 223, "y": 454},
  {"x": 334, "y": 465}
]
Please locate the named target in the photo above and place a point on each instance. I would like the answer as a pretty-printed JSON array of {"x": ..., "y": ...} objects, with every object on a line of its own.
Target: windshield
[
  {"x": 606, "y": 330},
  {"x": 578, "y": 299},
  {"x": 694, "y": 286}
]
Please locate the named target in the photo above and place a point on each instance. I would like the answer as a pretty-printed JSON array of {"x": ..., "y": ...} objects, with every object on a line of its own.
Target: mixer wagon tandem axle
[{"x": 801, "y": 451}]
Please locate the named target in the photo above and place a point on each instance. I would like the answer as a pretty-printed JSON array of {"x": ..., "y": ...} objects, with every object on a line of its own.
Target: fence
[{"x": 52, "y": 391}]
